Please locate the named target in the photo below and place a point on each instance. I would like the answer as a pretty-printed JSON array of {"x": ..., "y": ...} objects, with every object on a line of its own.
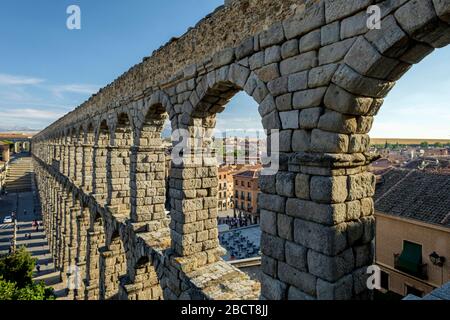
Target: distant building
[
  {"x": 436, "y": 152},
  {"x": 4, "y": 151},
  {"x": 246, "y": 191},
  {"x": 381, "y": 165},
  {"x": 226, "y": 188},
  {"x": 412, "y": 210},
  {"x": 4, "y": 160},
  {"x": 3, "y": 173},
  {"x": 21, "y": 141}
]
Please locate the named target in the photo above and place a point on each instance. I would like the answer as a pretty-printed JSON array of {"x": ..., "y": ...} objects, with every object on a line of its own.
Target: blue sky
[{"x": 46, "y": 70}]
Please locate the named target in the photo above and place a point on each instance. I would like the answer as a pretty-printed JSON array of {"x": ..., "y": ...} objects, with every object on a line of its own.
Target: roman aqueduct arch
[{"x": 319, "y": 76}]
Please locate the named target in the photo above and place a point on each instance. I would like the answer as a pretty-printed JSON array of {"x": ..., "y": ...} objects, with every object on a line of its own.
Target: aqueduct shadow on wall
[{"x": 319, "y": 75}]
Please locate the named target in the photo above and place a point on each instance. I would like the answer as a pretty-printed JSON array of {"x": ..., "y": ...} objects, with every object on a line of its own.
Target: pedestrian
[
  {"x": 38, "y": 268},
  {"x": 24, "y": 212},
  {"x": 37, "y": 228}
]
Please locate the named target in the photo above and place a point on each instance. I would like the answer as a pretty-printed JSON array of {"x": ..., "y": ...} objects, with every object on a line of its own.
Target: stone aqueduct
[{"x": 319, "y": 76}]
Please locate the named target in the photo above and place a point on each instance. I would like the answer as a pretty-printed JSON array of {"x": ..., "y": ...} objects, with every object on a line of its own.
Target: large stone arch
[
  {"x": 320, "y": 77},
  {"x": 148, "y": 162}
]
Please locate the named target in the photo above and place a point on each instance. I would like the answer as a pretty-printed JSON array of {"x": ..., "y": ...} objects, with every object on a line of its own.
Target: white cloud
[
  {"x": 11, "y": 80},
  {"x": 29, "y": 114},
  {"x": 74, "y": 88}
]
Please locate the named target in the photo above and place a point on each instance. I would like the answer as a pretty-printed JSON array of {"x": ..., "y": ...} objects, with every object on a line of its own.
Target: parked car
[{"x": 7, "y": 219}]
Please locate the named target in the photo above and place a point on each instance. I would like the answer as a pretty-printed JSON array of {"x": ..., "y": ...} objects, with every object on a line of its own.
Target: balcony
[{"x": 411, "y": 267}]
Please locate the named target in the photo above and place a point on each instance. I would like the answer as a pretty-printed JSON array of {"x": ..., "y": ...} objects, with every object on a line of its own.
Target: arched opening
[
  {"x": 149, "y": 168},
  {"x": 240, "y": 140},
  {"x": 195, "y": 210}
]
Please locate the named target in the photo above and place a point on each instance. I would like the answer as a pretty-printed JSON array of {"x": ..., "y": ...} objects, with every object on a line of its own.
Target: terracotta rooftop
[
  {"x": 415, "y": 195},
  {"x": 248, "y": 174}
]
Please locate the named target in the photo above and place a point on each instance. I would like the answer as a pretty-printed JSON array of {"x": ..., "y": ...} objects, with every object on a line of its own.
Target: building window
[
  {"x": 242, "y": 195},
  {"x": 236, "y": 195},
  {"x": 410, "y": 260},
  {"x": 249, "y": 185},
  {"x": 384, "y": 280},
  {"x": 249, "y": 196},
  {"x": 242, "y": 183},
  {"x": 413, "y": 291}
]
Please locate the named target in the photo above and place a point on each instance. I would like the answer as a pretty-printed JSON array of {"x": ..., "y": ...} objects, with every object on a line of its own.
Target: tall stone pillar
[
  {"x": 57, "y": 213},
  {"x": 65, "y": 237},
  {"x": 78, "y": 174},
  {"x": 81, "y": 258},
  {"x": 148, "y": 186},
  {"x": 193, "y": 192},
  {"x": 72, "y": 272},
  {"x": 112, "y": 268},
  {"x": 57, "y": 164},
  {"x": 65, "y": 159},
  {"x": 118, "y": 179},
  {"x": 87, "y": 168},
  {"x": 318, "y": 226},
  {"x": 95, "y": 240},
  {"x": 100, "y": 176},
  {"x": 72, "y": 162}
]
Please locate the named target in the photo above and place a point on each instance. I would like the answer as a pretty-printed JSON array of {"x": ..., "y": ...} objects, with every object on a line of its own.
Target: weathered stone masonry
[{"x": 319, "y": 76}]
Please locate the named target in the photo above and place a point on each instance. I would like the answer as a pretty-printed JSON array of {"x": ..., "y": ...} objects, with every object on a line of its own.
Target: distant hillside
[
  {"x": 17, "y": 129},
  {"x": 407, "y": 141}
]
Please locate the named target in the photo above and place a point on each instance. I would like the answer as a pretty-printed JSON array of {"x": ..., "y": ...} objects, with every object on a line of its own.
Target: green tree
[
  {"x": 438, "y": 145},
  {"x": 7, "y": 290},
  {"x": 18, "y": 267},
  {"x": 16, "y": 278},
  {"x": 424, "y": 145}
]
